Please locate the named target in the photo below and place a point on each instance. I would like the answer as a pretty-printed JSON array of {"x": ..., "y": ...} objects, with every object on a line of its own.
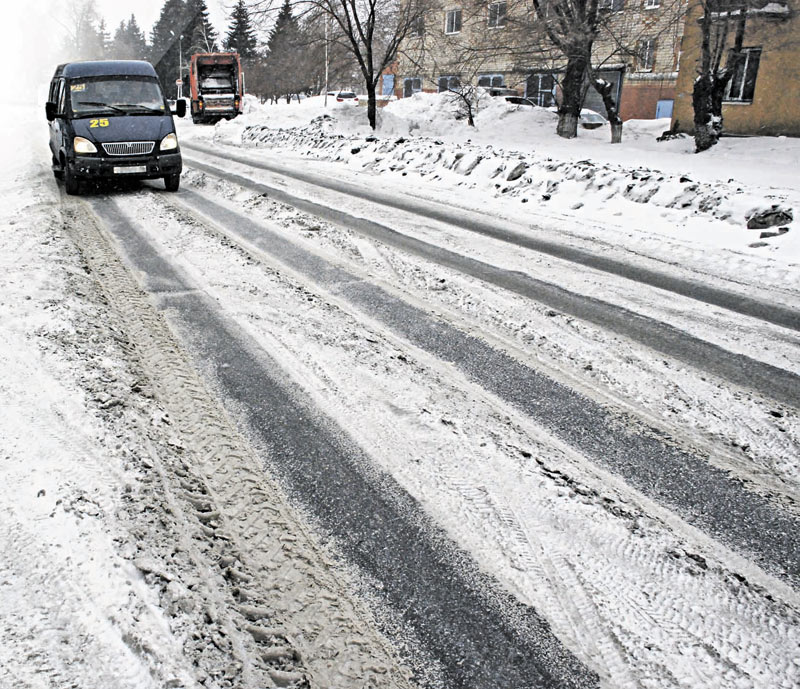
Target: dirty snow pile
[{"x": 513, "y": 154}]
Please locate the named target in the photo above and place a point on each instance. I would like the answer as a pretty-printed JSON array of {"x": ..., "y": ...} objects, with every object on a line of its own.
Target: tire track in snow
[
  {"x": 748, "y": 306},
  {"x": 702, "y": 494},
  {"x": 306, "y": 604},
  {"x": 475, "y": 632},
  {"x": 767, "y": 380}
]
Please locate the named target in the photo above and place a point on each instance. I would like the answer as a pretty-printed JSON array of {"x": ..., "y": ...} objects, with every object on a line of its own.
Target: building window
[
  {"x": 742, "y": 85},
  {"x": 452, "y": 22},
  {"x": 651, "y": 4},
  {"x": 613, "y": 5},
  {"x": 645, "y": 55},
  {"x": 416, "y": 27},
  {"x": 411, "y": 86},
  {"x": 497, "y": 15},
  {"x": 449, "y": 83},
  {"x": 491, "y": 80},
  {"x": 541, "y": 89}
]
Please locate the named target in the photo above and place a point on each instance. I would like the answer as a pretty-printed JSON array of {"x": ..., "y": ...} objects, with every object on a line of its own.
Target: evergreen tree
[
  {"x": 286, "y": 49},
  {"x": 136, "y": 39},
  {"x": 202, "y": 36},
  {"x": 128, "y": 43},
  {"x": 240, "y": 37},
  {"x": 103, "y": 40},
  {"x": 165, "y": 41},
  {"x": 84, "y": 40}
]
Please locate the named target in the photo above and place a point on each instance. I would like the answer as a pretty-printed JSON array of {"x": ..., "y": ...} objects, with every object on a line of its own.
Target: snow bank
[{"x": 513, "y": 153}]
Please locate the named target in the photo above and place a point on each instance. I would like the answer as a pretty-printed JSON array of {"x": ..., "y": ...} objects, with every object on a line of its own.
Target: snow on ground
[
  {"x": 77, "y": 506},
  {"x": 512, "y": 161},
  {"x": 686, "y": 242},
  {"x": 619, "y": 586},
  {"x": 73, "y": 609},
  {"x": 472, "y": 479}
]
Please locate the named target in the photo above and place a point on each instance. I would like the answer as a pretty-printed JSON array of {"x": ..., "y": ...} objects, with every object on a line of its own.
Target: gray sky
[
  {"x": 33, "y": 37},
  {"x": 147, "y": 12}
]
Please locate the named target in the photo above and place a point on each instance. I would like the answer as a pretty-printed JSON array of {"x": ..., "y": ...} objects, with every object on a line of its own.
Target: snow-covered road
[{"x": 458, "y": 477}]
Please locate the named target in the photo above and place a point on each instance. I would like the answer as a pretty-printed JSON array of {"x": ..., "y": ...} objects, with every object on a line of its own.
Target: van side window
[{"x": 62, "y": 98}]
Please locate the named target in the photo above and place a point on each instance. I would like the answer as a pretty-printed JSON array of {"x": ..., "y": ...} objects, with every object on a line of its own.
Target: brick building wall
[{"x": 477, "y": 49}]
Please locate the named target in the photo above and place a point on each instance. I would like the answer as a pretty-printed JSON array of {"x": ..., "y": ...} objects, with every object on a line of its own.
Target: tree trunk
[
  {"x": 567, "y": 124},
  {"x": 372, "y": 105},
  {"x": 604, "y": 87},
  {"x": 571, "y": 95},
  {"x": 707, "y": 123}
]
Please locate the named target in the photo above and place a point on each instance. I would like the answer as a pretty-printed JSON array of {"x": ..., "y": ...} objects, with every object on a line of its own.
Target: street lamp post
[
  {"x": 180, "y": 67},
  {"x": 325, "y": 103}
]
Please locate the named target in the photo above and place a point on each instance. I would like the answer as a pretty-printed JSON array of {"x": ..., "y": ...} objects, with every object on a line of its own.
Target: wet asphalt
[
  {"x": 770, "y": 381},
  {"x": 704, "y": 495},
  {"x": 477, "y": 636},
  {"x": 713, "y": 296}
]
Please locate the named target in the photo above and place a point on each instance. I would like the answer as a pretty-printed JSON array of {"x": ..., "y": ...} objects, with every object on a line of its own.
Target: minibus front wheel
[
  {"x": 71, "y": 183},
  {"x": 172, "y": 182}
]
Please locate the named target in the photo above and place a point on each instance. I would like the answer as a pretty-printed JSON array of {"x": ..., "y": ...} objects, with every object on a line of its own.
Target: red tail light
[{"x": 339, "y": 100}]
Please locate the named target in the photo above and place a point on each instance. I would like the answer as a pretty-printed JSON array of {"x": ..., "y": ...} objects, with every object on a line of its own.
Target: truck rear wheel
[{"x": 172, "y": 182}]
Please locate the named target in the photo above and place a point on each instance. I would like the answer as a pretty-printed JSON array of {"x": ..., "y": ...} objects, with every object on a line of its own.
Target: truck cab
[
  {"x": 108, "y": 120},
  {"x": 216, "y": 83}
]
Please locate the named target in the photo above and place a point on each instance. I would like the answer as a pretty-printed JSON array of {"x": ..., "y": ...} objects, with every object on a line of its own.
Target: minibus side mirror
[
  {"x": 50, "y": 110},
  {"x": 180, "y": 107}
]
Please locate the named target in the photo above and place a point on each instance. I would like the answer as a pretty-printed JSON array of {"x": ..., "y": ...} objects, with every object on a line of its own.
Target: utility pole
[
  {"x": 180, "y": 66},
  {"x": 325, "y": 104}
]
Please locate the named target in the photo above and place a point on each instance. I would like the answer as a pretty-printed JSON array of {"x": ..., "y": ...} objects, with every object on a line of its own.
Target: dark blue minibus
[{"x": 109, "y": 120}]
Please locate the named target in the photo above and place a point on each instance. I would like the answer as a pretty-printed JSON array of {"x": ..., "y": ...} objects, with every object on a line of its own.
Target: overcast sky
[
  {"x": 147, "y": 12},
  {"x": 34, "y": 36}
]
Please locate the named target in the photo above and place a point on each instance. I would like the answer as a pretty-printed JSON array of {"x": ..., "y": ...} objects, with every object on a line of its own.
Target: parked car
[
  {"x": 588, "y": 119},
  {"x": 502, "y": 91},
  {"x": 347, "y": 97},
  {"x": 520, "y": 100}
]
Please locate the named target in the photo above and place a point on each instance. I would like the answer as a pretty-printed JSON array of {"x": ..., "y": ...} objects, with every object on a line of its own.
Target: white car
[
  {"x": 347, "y": 97},
  {"x": 589, "y": 119}
]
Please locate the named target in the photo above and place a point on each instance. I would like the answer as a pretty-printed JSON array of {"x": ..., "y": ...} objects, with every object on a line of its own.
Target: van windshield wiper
[
  {"x": 139, "y": 106},
  {"x": 102, "y": 105}
]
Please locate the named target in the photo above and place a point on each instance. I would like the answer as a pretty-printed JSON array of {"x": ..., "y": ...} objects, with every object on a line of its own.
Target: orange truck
[{"x": 216, "y": 84}]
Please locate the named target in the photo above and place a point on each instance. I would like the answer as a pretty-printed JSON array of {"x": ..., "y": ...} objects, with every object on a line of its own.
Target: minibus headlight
[
  {"x": 169, "y": 143},
  {"x": 81, "y": 145}
]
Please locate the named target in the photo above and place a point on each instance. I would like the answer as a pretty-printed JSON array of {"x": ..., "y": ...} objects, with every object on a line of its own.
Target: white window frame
[
  {"x": 413, "y": 90},
  {"x": 500, "y": 9},
  {"x": 652, "y": 4},
  {"x": 454, "y": 13},
  {"x": 538, "y": 96},
  {"x": 646, "y": 49},
  {"x": 731, "y": 98},
  {"x": 491, "y": 78},
  {"x": 450, "y": 87}
]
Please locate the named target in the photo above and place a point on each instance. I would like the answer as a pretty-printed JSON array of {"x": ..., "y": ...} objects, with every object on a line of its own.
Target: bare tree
[
  {"x": 370, "y": 30},
  {"x": 720, "y": 19},
  {"x": 84, "y": 39},
  {"x": 567, "y": 43}
]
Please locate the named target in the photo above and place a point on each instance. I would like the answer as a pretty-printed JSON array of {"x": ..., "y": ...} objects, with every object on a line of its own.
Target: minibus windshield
[{"x": 128, "y": 95}]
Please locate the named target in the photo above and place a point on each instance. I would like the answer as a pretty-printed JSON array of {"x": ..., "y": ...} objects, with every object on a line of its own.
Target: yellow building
[
  {"x": 502, "y": 43},
  {"x": 763, "y": 96}
]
